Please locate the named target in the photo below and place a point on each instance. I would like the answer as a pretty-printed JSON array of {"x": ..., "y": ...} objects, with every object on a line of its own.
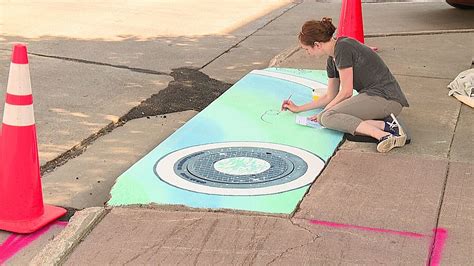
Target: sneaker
[
  {"x": 391, "y": 141},
  {"x": 394, "y": 127}
]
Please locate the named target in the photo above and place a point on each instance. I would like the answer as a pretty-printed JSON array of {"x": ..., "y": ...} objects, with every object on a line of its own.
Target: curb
[
  {"x": 415, "y": 33},
  {"x": 81, "y": 224},
  {"x": 285, "y": 54}
]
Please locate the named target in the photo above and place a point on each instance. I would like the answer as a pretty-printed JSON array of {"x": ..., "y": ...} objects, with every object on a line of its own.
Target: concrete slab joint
[
  {"x": 81, "y": 224},
  {"x": 281, "y": 57}
]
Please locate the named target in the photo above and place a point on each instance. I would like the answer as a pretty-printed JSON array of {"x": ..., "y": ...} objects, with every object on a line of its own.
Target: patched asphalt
[{"x": 190, "y": 90}]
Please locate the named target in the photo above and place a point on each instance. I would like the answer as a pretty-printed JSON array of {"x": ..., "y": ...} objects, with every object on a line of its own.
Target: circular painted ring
[{"x": 297, "y": 168}]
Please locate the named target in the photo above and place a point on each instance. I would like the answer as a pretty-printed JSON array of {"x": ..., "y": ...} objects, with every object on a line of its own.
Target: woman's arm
[
  {"x": 346, "y": 76},
  {"x": 333, "y": 87}
]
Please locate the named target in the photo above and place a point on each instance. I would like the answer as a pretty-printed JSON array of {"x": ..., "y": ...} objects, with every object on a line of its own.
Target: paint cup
[{"x": 315, "y": 95}]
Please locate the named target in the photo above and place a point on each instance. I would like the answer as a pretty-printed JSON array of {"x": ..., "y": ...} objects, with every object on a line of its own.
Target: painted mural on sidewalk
[{"x": 241, "y": 152}]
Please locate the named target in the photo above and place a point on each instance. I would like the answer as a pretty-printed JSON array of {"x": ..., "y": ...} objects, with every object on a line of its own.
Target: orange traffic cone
[
  {"x": 350, "y": 21},
  {"x": 21, "y": 197}
]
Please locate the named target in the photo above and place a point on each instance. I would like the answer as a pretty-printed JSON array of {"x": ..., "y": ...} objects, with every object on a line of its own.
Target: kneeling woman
[{"x": 352, "y": 65}]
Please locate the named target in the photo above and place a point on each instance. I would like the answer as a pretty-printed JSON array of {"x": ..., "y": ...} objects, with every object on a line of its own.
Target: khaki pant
[{"x": 348, "y": 114}]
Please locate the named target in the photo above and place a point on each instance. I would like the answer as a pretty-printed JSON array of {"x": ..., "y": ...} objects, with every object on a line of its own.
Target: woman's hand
[
  {"x": 289, "y": 105},
  {"x": 314, "y": 118}
]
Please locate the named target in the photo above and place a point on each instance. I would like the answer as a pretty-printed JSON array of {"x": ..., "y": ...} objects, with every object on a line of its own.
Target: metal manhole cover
[{"x": 239, "y": 168}]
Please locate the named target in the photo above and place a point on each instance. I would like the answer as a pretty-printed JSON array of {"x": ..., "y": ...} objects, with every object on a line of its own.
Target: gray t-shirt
[{"x": 370, "y": 74}]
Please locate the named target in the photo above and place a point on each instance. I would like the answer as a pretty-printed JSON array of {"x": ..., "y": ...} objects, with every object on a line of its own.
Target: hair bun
[
  {"x": 328, "y": 26},
  {"x": 326, "y": 19}
]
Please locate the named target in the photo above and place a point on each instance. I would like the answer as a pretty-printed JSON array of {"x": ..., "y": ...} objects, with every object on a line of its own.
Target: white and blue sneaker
[
  {"x": 396, "y": 137},
  {"x": 393, "y": 127}
]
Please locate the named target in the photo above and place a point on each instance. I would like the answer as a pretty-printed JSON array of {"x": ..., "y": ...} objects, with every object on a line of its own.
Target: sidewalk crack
[
  {"x": 421, "y": 76},
  {"x": 295, "y": 4},
  {"x": 290, "y": 249},
  {"x": 443, "y": 191},
  {"x": 77, "y": 60}
]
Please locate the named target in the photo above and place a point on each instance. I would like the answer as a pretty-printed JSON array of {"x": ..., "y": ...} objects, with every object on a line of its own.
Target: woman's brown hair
[{"x": 316, "y": 31}]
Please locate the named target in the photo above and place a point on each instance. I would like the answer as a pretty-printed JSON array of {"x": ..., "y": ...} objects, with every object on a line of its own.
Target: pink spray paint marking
[
  {"x": 440, "y": 235},
  {"x": 16, "y": 242},
  {"x": 364, "y": 228},
  {"x": 436, "y": 250}
]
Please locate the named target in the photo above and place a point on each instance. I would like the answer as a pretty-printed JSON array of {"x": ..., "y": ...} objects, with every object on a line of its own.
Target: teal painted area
[
  {"x": 248, "y": 111},
  {"x": 163, "y": 193}
]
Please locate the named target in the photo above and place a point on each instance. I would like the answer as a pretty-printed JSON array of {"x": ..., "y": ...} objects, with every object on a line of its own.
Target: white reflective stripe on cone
[
  {"x": 18, "y": 115},
  {"x": 19, "y": 79}
]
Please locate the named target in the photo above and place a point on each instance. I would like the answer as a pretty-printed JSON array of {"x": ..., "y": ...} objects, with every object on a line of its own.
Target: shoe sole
[{"x": 389, "y": 144}]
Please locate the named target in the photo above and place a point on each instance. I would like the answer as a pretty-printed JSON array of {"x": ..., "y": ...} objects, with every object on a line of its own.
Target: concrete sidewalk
[
  {"x": 366, "y": 208},
  {"x": 411, "y": 206}
]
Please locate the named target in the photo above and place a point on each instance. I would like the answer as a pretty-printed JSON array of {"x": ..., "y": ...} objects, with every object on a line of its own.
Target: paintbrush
[{"x": 285, "y": 101}]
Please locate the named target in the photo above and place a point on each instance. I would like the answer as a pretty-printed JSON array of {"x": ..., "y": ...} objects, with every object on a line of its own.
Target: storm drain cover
[{"x": 239, "y": 168}]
